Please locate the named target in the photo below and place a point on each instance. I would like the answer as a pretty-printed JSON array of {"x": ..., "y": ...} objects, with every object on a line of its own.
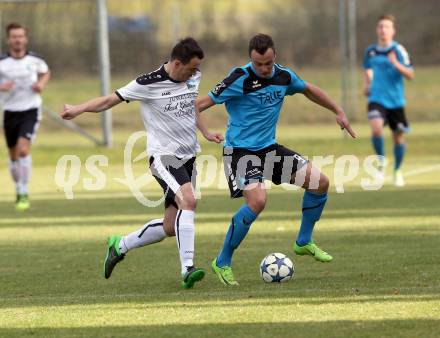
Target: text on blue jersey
[{"x": 254, "y": 103}]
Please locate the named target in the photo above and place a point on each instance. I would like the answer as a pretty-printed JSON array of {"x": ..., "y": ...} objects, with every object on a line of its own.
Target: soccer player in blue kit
[
  {"x": 253, "y": 95},
  {"x": 386, "y": 64}
]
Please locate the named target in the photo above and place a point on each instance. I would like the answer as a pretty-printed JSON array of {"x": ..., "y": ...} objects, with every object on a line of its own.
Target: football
[{"x": 276, "y": 268}]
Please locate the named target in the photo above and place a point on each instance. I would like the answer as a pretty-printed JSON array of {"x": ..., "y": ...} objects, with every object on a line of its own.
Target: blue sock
[
  {"x": 239, "y": 227},
  {"x": 399, "y": 152},
  {"x": 378, "y": 144},
  {"x": 312, "y": 207}
]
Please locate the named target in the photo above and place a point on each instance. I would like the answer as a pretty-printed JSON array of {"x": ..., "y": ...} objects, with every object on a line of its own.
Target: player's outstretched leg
[
  {"x": 312, "y": 207},
  {"x": 313, "y": 204},
  {"x": 239, "y": 227},
  {"x": 151, "y": 232}
]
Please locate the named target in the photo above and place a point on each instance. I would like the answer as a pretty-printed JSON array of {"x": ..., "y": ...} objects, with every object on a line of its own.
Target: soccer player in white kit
[
  {"x": 23, "y": 76},
  {"x": 167, "y": 96}
]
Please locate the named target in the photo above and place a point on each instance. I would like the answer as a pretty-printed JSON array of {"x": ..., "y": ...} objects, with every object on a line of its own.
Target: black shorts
[
  {"x": 275, "y": 163},
  {"x": 171, "y": 173},
  {"x": 20, "y": 124},
  {"x": 394, "y": 117}
]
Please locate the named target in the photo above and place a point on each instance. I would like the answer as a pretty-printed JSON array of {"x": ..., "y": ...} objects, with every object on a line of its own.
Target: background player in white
[
  {"x": 386, "y": 65},
  {"x": 167, "y": 98},
  {"x": 23, "y": 76}
]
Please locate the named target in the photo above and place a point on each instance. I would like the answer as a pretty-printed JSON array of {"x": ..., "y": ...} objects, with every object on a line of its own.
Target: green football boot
[
  {"x": 113, "y": 256},
  {"x": 312, "y": 249},
  {"x": 191, "y": 276},
  {"x": 224, "y": 273},
  {"x": 22, "y": 203}
]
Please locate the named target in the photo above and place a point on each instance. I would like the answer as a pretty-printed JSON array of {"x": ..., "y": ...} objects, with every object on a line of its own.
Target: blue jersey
[
  {"x": 254, "y": 103},
  {"x": 387, "y": 86}
]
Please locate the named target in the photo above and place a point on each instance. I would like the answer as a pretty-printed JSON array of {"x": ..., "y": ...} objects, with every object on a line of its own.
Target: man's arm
[
  {"x": 201, "y": 104},
  {"x": 407, "y": 72},
  {"x": 95, "y": 105},
  {"x": 368, "y": 77},
  {"x": 41, "y": 83},
  {"x": 6, "y": 86},
  {"x": 318, "y": 96}
]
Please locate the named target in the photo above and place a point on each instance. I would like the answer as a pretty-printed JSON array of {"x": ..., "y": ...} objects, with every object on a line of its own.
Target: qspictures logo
[{"x": 71, "y": 172}]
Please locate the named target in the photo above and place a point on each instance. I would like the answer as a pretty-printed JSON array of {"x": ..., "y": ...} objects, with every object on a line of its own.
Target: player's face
[
  {"x": 186, "y": 71},
  {"x": 385, "y": 30},
  {"x": 17, "y": 39},
  {"x": 263, "y": 64}
]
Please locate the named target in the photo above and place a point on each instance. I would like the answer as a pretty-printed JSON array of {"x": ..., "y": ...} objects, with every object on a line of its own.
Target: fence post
[
  {"x": 104, "y": 68},
  {"x": 343, "y": 53},
  {"x": 352, "y": 58}
]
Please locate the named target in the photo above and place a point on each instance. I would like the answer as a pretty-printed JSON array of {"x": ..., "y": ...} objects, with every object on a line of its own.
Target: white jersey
[
  {"x": 23, "y": 73},
  {"x": 168, "y": 112}
]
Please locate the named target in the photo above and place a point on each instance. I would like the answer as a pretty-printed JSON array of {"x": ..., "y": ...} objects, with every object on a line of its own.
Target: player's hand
[
  {"x": 393, "y": 57},
  {"x": 214, "y": 137},
  {"x": 37, "y": 87},
  {"x": 7, "y": 86},
  {"x": 342, "y": 120},
  {"x": 70, "y": 112}
]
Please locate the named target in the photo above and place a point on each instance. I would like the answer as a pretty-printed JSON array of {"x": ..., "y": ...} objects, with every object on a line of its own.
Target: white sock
[
  {"x": 24, "y": 168},
  {"x": 151, "y": 232},
  {"x": 15, "y": 173},
  {"x": 184, "y": 227}
]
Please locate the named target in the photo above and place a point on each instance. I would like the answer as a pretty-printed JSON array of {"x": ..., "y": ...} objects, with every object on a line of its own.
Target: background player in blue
[
  {"x": 253, "y": 95},
  {"x": 386, "y": 64}
]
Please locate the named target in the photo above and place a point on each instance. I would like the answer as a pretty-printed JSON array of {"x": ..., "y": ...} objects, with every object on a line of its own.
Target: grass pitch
[{"x": 383, "y": 282}]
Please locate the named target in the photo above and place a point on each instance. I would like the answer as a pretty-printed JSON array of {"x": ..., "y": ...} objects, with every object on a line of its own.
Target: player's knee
[
  {"x": 399, "y": 138},
  {"x": 192, "y": 203},
  {"x": 324, "y": 184},
  {"x": 188, "y": 202},
  {"x": 257, "y": 203},
  {"x": 23, "y": 152},
  {"x": 377, "y": 132}
]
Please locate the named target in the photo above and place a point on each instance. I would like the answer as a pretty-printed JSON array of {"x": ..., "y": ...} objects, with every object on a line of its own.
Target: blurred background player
[
  {"x": 253, "y": 95},
  {"x": 23, "y": 76},
  {"x": 167, "y": 97},
  {"x": 386, "y": 64}
]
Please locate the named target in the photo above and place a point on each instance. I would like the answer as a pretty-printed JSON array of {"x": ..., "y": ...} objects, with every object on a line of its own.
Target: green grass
[{"x": 383, "y": 282}]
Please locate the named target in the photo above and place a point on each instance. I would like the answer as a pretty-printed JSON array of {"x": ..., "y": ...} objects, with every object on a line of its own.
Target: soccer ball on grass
[{"x": 276, "y": 268}]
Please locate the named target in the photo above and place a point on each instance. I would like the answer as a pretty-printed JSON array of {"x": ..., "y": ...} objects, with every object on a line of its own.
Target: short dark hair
[
  {"x": 389, "y": 17},
  {"x": 14, "y": 25},
  {"x": 261, "y": 43},
  {"x": 185, "y": 50}
]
